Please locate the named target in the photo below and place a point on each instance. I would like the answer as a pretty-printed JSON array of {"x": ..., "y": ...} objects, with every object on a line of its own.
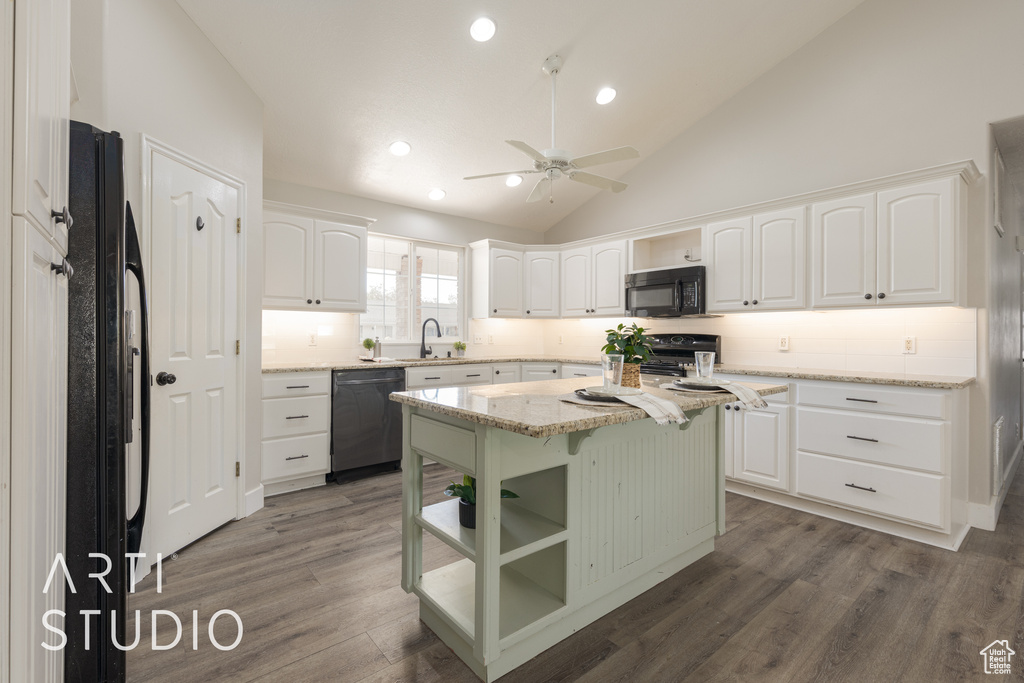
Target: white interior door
[{"x": 194, "y": 318}]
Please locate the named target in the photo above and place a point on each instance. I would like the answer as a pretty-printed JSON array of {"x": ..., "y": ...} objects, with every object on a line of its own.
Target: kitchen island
[{"x": 610, "y": 504}]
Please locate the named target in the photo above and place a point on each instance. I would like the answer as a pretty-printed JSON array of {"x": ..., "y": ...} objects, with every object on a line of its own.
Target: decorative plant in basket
[
  {"x": 368, "y": 344},
  {"x": 466, "y": 493},
  {"x": 460, "y": 347},
  {"x": 635, "y": 348}
]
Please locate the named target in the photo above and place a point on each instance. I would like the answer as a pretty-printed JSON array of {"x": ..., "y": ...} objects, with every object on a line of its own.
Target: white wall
[
  {"x": 143, "y": 67},
  {"x": 893, "y": 86}
]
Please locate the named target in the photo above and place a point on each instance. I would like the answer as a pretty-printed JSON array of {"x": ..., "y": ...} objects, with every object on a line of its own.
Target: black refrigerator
[{"x": 107, "y": 348}]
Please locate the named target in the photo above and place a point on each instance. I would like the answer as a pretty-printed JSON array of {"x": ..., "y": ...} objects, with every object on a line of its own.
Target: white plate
[
  {"x": 695, "y": 389},
  {"x": 701, "y": 381},
  {"x": 623, "y": 391}
]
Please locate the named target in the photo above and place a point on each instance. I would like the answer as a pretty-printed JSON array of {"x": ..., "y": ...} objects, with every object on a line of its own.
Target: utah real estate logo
[{"x": 997, "y": 656}]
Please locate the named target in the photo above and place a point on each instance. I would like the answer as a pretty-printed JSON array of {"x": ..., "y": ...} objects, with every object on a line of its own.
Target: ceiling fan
[{"x": 555, "y": 163}]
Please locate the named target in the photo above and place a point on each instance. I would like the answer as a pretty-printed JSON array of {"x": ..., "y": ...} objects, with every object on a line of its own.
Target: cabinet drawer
[
  {"x": 430, "y": 376},
  {"x": 534, "y": 372},
  {"x": 288, "y": 384},
  {"x": 911, "y": 496},
  {"x": 580, "y": 371},
  {"x": 901, "y": 442},
  {"x": 445, "y": 443},
  {"x": 471, "y": 374},
  {"x": 295, "y": 416},
  {"x": 298, "y": 457},
  {"x": 505, "y": 373},
  {"x": 866, "y": 397}
]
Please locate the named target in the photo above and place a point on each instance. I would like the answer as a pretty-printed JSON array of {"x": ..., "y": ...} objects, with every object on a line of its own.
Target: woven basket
[{"x": 631, "y": 375}]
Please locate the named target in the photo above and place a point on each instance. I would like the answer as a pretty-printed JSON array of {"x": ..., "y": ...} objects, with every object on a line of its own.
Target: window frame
[{"x": 463, "y": 313}]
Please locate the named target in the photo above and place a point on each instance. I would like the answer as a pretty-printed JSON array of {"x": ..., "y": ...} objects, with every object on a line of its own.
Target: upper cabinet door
[
  {"x": 779, "y": 256},
  {"x": 541, "y": 284},
  {"x": 575, "y": 280},
  {"x": 916, "y": 243},
  {"x": 843, "y": 252},
  {"x": 506, "y": 283},
  {"x": 288, "y": 261},
  {"x": 728, "y": 251},
  {"x": 339, "y": 267},
  {"x": 609, "y": 278},
  {"x": 41, "y": 112}
]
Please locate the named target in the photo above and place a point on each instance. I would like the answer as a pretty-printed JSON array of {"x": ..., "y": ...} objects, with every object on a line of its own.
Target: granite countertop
[
  {"x": 533, "y": 408},
  {"x": 860, "y": 376},
  {"x": 269, "y": 368}
]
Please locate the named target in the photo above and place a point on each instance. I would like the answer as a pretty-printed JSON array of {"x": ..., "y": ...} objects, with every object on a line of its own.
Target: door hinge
[
  {"x": 238, "y": 347},
  {"x": 238, "y": 225},
  {"x": 238, "y": 469}
]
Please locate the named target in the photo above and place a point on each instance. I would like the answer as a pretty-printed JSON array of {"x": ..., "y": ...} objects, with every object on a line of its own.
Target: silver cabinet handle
[
  {"x": 296, "y": 457},
  {"x": 299, "y": 386},
  {"x": 861, "y": 400},
  {"x": 861, "y": 488},
  {"x": 62, "y": 217},
  {"x": 297, "y": 417},
  {"x": 63, "y": 268},
  {"x": 861, "y": 438}
]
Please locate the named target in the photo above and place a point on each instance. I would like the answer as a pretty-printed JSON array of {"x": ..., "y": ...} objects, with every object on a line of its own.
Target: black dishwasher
[{"x": 366, "y": 428}]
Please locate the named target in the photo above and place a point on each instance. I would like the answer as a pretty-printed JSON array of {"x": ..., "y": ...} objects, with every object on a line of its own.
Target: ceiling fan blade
[
  {"x": 492, "y": 175},
  {"x": 539, "y": 190},
  {"x": 605, "y": 157},
  {"x": 527, "y": 150},
  {"x": 597, "y": 181}
]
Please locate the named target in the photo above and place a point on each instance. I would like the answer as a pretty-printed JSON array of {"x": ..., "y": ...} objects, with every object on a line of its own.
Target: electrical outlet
[
  {"x": 559, "y": 339},
  {"x": 784, "y": 343},
  {"x": 910, "y": 345},
  {"x": 312, "y": 338},
  {"x": 478, "y": 339},
  {"x": 490, "y": 339}
]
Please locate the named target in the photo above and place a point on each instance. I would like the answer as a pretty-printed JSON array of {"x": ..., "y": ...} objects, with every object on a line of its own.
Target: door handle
[{"x": 165, "y": 378}]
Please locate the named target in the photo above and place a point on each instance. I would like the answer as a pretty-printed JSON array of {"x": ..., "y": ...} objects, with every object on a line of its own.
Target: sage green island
[{"x": 610, "y": 504}]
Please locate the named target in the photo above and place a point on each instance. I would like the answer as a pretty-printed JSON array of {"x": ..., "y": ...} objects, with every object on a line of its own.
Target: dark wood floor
[{"x": 785, "y": 596}]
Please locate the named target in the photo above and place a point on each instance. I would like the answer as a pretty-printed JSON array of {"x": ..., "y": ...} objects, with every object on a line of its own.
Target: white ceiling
[{"x": 342, "y": 79}]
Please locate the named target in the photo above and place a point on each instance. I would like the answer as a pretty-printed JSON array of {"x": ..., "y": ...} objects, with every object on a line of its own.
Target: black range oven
[
  {"x": 670, "y": 293},
  {"x": 673, "y": 351}
]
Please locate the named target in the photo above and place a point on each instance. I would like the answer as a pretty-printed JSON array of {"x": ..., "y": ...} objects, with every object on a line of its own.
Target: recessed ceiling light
[
  {"x": 606, "y": 95},
  {"x": 482, "y": 30},
  {"x": 436, "y": 194},
  {"x": 514, "y": 180},
  {"x": 400, "y": 148}
]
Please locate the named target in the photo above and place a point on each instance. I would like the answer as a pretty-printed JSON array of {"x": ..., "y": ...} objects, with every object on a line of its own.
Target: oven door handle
[{"x": 677, "y": 297}]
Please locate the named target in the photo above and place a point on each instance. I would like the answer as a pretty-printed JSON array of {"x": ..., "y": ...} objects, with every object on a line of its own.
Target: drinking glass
[
  {"x": 611, "y": 368},
  {"x": 705, "y": 361}
]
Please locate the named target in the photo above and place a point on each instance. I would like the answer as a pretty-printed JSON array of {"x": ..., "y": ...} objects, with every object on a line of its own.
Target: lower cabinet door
[
  {"x": 761, "y": 446},
  {"x": 298, "y": 457}
]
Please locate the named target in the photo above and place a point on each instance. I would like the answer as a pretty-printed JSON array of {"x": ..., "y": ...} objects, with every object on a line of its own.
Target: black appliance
[
  {"x": 670, "y": 293},
  {"x": 366, "y": 427},
  {"x": 103, "y": 247},
  {"x": 673, "y": 351}
]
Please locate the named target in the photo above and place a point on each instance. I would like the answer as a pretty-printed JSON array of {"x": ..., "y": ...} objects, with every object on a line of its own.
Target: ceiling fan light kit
[{"x": 555, "y": 162}]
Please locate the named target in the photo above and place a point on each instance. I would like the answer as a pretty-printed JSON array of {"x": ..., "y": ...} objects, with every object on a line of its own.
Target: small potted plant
[
  {"x": 466, "y": 493},
  {"x": 635, "y": 348},
  {"x": 460, "y": 348},
  {"x": 368, "y": 345}
]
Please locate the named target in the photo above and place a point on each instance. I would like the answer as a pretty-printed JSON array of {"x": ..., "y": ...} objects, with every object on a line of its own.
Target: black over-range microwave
[{"x": 669, "y": 293}]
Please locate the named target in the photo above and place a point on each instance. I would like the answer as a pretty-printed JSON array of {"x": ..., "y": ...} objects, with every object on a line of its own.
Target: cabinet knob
[
  {"x": 555, "y": 371},
  {"x": 867, "y": 296},
  {"x": 881, "y": 295},
  {"x": 497, "y": 372},
  {"x": 309, "y": 301},
  {"x": 62, "y": 217},
  {"x": 495, "y": 310},
  {"x": 527, "y": 313},
  {"x": 318, "y": 301},
  {"x": 737, "y": 407},
  {"x": 63, "y": 268},
  {"x": 728, "y": 407},
  {"x": 746, "y": 303},
  {"x": 755, "y": 302}
]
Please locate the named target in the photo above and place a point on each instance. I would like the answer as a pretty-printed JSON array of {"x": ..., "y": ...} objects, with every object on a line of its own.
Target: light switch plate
[
  {"x": 312, "y": 338},
  {"x": 490, "y": 339},
  {"x": 478, "y": 339}
]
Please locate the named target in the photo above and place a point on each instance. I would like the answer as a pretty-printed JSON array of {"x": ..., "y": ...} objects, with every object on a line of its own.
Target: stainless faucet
[{"x": 423, "y": 338}]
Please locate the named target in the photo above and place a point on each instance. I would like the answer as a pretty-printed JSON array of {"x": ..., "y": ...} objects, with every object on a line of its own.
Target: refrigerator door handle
[{"x": 133, "y": 264}]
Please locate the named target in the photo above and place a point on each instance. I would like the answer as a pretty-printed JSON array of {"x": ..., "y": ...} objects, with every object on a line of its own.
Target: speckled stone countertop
[
  {"x": 413, "y": 362},
  {"x": 533, "y": 408},
  {"x": 891, "y": 378}
]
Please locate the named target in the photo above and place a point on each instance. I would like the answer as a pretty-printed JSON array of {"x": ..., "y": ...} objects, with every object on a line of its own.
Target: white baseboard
[
  {"x": 986, "y": 515},
  {"x": 277, "y": 488},
  {"x": 254, "y": 500}
]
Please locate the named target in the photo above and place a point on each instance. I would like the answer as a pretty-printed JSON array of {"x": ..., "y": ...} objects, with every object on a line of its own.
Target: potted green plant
[
  {"x": 368, "y": 345},
  {"x": 635, "y": 348},
  {"x": 460, "y": 348},
  {"x": 466, "y": 493}
]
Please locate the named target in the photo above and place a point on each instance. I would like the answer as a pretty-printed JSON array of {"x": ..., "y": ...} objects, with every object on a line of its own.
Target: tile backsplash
[{"x": 868, "y": 340}]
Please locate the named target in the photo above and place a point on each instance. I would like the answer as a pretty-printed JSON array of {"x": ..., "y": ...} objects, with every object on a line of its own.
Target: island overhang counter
[{"x": 610, "y": 504}]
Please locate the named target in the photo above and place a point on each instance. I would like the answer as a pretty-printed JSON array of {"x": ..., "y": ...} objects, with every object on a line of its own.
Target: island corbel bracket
[
  {"x": 576, "y": 439},
  {"x": 694, "y": 414}
]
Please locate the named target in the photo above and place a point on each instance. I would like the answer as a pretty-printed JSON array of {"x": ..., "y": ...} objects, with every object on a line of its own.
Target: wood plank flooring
[{"x": 785, "y": 596}]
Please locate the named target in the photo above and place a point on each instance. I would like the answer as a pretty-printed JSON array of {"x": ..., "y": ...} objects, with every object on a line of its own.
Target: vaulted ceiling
[{"x": 342, "y": 79}]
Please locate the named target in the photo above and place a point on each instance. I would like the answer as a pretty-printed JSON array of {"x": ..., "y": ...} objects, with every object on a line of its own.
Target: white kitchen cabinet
[
  {"x": 42, "y": 102},
  {"x": 580, "y": 370},
  {"x": 506, "y": 373},
  {"x": 296, "y": 446},
  {"x": 757, "y": 262},
  {"x": 540, "y": 282},
  {"x": 593, "y": 280},
  {"x": 896, "y": 247},
  {"x": 536, "y": 372},
  {"x": 497, "y": 281},
  {"x": 759, "y": 441},
  {"x": 313, "y": 264}
]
